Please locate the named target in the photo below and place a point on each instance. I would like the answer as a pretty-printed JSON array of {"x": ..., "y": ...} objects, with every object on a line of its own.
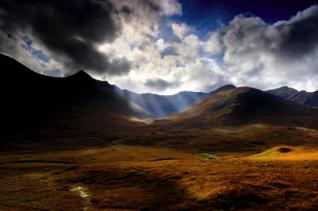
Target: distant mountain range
[
  {"x": 31, "y": 99},
  {"x": 161, "y": 106},
  {"x": 242, "y": 106},
  {"x": 81, "y": 111},
  {"x": 301, "y": 97}
]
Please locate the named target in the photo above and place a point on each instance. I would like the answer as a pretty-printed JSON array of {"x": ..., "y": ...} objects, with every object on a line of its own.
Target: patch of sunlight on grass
[
  {"x": 81, "y": 191},
  {"x": 209, "y": 156},
  {"x": 287, "y": 153},
  {"x": 115, "y": 148},
  {"x": 146, "y": 121}
]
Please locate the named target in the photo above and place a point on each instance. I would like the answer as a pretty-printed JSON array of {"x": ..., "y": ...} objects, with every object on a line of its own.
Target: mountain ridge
[
  {"x": 246, "y": 105},
  {"x": 300, "y": 97},
  {"x": 78, "y": 103},
  {"x": 162, "y": 106}
]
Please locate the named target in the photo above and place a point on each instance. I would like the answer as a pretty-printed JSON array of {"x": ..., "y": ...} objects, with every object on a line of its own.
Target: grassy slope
[{"x": 288, "y": 153}]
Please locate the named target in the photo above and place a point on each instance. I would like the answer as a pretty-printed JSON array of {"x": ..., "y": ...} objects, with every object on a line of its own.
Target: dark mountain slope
[
  {"x": 50, "y": 107},
  {"x": 245, "y": 106}
]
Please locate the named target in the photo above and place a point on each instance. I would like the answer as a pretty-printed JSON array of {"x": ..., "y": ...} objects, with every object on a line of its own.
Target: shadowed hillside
[
  {"x": 300, "y": 97},
  {"x": 283, "y": 92},
  {"x": 245, "y": 106},
  {"x": 306, "y": 98},
  {"x": 46, "y": 107}
]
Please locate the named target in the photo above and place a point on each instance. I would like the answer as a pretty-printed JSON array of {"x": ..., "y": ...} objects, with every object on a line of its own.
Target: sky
[{"x": 167, "y": 46}]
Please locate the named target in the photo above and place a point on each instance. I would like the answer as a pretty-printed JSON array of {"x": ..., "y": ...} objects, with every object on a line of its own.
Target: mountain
[
  {"x": 243, "y": 106},
  {"x": 51, "y": 107},
  {"x": 301, "y": 97},
  {"x": 161, "y": 106},
  {"x": 283, "y": 92},
  {"x": 306, "y": 98}
]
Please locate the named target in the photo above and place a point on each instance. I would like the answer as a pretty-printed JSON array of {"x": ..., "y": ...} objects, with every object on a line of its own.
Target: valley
[
  {"x": 84, "y": 146},
  {"x": 159, "y": 105}
]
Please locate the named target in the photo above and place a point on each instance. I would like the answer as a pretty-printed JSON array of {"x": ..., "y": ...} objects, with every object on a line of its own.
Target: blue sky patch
[{"x": 27, "y": 45}]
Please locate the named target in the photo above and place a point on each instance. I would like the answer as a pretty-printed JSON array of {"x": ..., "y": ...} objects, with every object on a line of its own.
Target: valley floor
[{"x": 123, "y": 177}]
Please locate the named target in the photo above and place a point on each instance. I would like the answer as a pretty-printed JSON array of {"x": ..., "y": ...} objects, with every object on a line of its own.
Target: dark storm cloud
[
  {"x": 262, "y": 55},
  {"x": 297, "y": 37},
  {"x": 70, "y": 30},
  {"x": 300, "y": 35},
  {"x": 159, "y": 84}
]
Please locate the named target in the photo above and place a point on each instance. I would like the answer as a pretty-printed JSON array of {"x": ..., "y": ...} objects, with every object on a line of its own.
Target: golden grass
[
  {"x": 196, "y": 169},
  {"x": 145, "y": 121},
  {"x": 117, "y": 153},
  {"x": 134, "y": 178},
  {"x": 290, "y": 153}
]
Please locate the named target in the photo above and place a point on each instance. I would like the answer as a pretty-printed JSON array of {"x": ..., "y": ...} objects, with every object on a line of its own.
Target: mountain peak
[
  {"x": 283, "y": 92},
  {"x": 245, "y": 105},
  {"x": 287, "y": 88},
  {"x": 227, "y": 86},
  {"x": 81, "y": 74},
  {"x": 222, "y": 88}
]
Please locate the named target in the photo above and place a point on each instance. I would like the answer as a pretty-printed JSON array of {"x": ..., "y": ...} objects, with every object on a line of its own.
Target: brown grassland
[{"x": 244, "y": 168}]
